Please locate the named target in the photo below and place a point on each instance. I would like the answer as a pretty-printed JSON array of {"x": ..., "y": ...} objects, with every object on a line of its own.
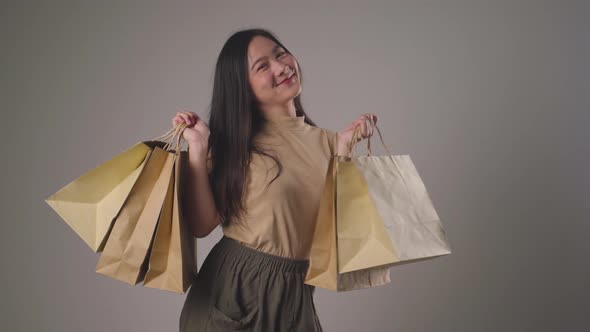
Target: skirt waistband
[{"x": 284, "y": 264}]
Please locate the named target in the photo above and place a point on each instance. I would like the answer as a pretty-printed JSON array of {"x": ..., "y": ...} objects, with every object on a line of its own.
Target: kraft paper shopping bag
[
  {"x": 323, "y": 268},
  {"x": 90, "y": 203},
  {"x": 385, "y": 213},
  {"x": 375, "y": 213},
  {"x": 125, "y": 252},
  {"x": 172, "y": 262}
]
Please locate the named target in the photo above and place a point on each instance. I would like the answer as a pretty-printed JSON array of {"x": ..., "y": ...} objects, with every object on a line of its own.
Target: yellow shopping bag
[
  {"x": 323, "y": 268},
  {"x": 90, "y": 203}
]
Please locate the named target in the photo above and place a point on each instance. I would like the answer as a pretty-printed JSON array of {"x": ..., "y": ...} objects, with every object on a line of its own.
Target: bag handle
[
  {"x": 166, "y": 135},
  {"x": 173, "y": 135},
  {"x": 353, "y": 141}
]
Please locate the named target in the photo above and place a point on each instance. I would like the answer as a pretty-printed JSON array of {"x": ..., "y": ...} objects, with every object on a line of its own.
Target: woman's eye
[{"x": 280, "y": 54}]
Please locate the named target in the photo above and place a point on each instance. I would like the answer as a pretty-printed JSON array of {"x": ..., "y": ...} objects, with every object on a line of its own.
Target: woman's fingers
[
  {"x": 363, "y": 130},
  {"x": 194, "y": 118},
  {"x": 368, "y": 128},
  {"x": 366, "y": 125},
  {"x": 187, "y": 118},
  {"x": 370, "y": 120},
  {"x": 190, "y": 118},
  {"x": 373, "y": 119},
  {"x": 178, "y": 118}
]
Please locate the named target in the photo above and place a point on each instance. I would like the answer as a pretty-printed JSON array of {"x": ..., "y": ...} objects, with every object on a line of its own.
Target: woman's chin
[{"x": 294, "y": 91}]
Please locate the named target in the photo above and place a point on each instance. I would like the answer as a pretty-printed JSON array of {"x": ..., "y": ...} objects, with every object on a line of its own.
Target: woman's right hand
[{"x": 196, "y": 133}]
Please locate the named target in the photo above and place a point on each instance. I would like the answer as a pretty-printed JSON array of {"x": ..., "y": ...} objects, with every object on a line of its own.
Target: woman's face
[{"x": 268, "y": 67}]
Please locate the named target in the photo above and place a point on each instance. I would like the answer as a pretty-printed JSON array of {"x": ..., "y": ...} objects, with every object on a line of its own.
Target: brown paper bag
[
  {"x": 323, "y": 268},
  {"x": 375, "y": 213},
  {"x": 361, "y": 235},
  {"x": 90, "y": 203},
  {"x": 172, "y": 263},
  {"x": 386, "y": 216},
  {"x": 125, "y": 252}
]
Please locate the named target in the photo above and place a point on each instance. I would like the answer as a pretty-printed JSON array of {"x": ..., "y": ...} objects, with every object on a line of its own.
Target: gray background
[{"x": 490, "y": 99}]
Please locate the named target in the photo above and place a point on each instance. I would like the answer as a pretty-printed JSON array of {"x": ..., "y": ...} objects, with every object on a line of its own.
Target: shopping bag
[
  {"x": 90, "y": 203},
  {"x": 172, "y": 262},
  {"x": 126, "y": 250},
  {"x": 323, "y": 267},
  {"x": 382, "y": 216},
  {"x": 397, "y": 199}
]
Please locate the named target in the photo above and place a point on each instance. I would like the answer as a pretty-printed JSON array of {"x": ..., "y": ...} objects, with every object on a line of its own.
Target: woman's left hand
[{"x": 345, "y": 135}]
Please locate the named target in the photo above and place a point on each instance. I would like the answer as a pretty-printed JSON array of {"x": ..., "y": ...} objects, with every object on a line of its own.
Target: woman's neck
[{"x": 281, "y": 110}]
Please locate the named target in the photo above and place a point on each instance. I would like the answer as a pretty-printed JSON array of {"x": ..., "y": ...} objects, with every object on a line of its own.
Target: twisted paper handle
[
  {"x": 356, "y": 133},
  {"x": 173, "y": 135}
]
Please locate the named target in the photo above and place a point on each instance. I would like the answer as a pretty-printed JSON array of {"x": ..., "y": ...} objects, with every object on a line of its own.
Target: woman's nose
[{"x": 283, "y": 68}]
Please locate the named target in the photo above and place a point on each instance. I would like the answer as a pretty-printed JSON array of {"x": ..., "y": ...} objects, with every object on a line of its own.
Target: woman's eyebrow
[{"x": 274, "y": 50}]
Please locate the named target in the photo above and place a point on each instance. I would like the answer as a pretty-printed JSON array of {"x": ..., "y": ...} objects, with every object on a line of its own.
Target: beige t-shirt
[{"x": 280, "y": 218}]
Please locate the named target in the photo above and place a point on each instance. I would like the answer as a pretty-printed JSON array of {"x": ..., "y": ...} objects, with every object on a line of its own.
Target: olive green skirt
[{"x": 240, "y": 288}]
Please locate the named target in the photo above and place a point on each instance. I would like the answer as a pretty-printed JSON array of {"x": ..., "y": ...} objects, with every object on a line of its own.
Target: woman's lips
[{"x": 288, "y": 80}]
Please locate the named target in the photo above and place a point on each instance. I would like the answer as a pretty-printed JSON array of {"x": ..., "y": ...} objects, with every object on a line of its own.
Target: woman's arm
[
  {"x": 342, "y": 147},
  {"x": 199, "y": 203}
]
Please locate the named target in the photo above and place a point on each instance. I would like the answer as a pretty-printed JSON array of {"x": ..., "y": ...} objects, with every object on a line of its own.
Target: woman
[{"x": 257, "y": 169}]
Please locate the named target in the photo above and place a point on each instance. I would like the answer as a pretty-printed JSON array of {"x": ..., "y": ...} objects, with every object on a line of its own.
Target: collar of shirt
[{"x": 285, "y": 121}]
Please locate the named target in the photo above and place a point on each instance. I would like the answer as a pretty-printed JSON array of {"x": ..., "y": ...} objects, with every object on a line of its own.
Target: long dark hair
[{"x": 234, "y": 121}]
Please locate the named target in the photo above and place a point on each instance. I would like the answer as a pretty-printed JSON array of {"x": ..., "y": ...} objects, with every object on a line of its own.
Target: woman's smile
[{"x": 288, "y": 81}]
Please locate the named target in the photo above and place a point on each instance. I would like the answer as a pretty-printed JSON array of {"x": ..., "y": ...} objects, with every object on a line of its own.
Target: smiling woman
[
  {"x": 257, "y": 169},
  {"x": 273, "y": 76}
]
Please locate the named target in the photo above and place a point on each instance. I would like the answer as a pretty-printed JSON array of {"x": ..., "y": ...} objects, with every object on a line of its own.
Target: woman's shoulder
[{"x": 331, "y": 138}]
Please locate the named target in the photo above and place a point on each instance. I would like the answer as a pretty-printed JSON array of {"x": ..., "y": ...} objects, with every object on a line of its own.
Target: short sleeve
[{"x": 332, "y": 141}]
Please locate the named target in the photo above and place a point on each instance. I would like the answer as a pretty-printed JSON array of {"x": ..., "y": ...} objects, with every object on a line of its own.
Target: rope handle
[
  {"x": 173, "y": 135},
  {"x": 352, "y": 145}
]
